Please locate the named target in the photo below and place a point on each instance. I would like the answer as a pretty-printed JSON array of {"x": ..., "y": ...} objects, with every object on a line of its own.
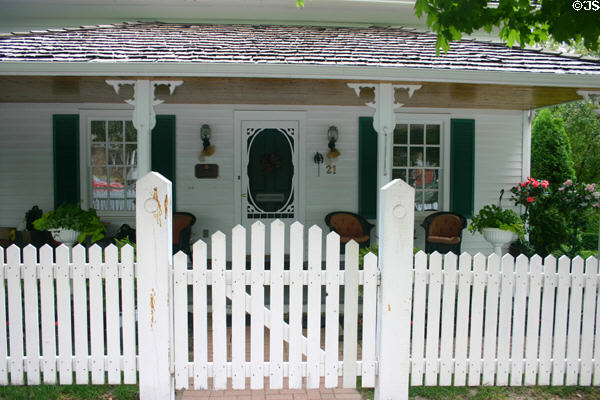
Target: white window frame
[
  {"x": 85, "y": 119},
  {"x": 444, "y": 121}
]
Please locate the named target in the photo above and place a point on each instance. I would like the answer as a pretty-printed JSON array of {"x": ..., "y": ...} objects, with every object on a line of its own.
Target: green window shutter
[
  {"x": 163, "y": 149},
  {"x": 65, "y": 136},
  {"x": 462, "y": 166},
  {"x": 367, "y": 168}
]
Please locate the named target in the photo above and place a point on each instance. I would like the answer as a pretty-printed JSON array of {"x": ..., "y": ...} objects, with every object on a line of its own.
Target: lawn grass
[
  {"x": 497, "y": 392},
  {"x": 69, "y": 392}
]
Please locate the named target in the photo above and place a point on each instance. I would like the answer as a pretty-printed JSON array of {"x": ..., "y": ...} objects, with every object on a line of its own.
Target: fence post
[
  {"x": 154, "y": 258},
  {"x": 396, "y": 230}
]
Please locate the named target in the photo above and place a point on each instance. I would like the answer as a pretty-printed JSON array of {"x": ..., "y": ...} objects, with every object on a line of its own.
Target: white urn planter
[
  {"x": 68, "y": 237},
  {"x": 499, "y": 239}
]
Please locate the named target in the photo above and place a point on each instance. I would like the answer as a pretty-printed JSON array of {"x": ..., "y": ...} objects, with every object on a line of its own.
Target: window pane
[
  {"x": 401, "y": 134},
  {"x": 400, "y": 157},
  {"x": 399, "y": 174},
  {"x": 433, "y": 134},
  {"x": 98, "y": 154},
  {"x": 130, "y": 154},
  {"x": 416, "y": 156},
  {"x": 416, "y": 134},
  {"x": 98, "y": 131},
  {"x": 430, "y": 200},
  {"x": 430, "y": 178},
  {"x": 419, "y": 200},
  {"x": 99, "y": 187},
  {"x": 115, "y": 131},
  {"x": 415, "y": 178},
  {"x": 115, "y": 154},
  {"x": 117, "y": 183},
  {"x": 432, "y": 157},
  {"x": 130, "y": 132}
]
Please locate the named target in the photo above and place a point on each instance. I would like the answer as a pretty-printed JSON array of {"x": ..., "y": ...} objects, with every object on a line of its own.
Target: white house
[{"x": 77, "y": 104}]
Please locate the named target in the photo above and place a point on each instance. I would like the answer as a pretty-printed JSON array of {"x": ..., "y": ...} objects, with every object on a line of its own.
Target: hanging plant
[{"x": 270, "y": 162}]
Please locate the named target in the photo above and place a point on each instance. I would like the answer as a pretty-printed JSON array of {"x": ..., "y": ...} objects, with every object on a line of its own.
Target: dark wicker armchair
[
  {"x": 350, "y": 226},
  {"x": 182, "y": 231},
  {"x": 443, "y": 232}
]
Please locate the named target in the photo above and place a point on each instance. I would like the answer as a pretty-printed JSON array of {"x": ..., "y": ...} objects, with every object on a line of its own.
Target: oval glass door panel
[{"x": 270, "y": 172}]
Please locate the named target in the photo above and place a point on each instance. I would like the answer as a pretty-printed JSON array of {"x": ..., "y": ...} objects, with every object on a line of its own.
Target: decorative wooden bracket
[
  {"x": 384, "y": 102},
  {"x": 144, "y": 117},
  {"x": 144, "y": 99},
  {"x": 384, "y": 119}
]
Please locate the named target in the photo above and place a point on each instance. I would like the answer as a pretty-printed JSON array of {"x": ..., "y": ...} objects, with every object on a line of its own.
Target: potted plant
[
  {"x": 69, "y": 223},
  {"x": 498, "y": 226}
]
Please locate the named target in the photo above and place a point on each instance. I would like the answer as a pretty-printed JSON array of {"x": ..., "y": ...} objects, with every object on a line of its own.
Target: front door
[{"x": 269, "y": 170}]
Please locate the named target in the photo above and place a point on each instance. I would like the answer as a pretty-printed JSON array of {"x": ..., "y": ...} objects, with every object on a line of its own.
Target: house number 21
[{"x": 331, "y": 169}]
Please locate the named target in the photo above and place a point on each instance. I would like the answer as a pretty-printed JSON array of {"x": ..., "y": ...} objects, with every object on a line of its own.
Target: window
[
  {"x": 418, "y": 158},
  {"x": 112, "y": 164}
]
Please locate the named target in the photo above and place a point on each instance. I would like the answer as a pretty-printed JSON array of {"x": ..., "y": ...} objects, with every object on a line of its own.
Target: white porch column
[
  {"x": 144, "y": 117},
  {"x": 384, "y": 122},
  {"x": 594, "y": 97}
]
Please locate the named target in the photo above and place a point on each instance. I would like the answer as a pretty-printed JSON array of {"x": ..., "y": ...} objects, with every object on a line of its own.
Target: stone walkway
[{"x": 272, "y": 394}]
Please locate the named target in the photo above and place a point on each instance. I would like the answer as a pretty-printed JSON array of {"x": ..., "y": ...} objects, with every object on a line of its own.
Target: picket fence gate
[
  {"x": 230, "y": 285},
  {"x": 92, "y": 316}
]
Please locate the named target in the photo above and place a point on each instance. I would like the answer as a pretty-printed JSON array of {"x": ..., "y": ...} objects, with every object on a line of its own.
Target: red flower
[
  {"x": 530, "y": 199},
  {"x": 545, "y": 183},
  {"x": 535, "y": 184}
]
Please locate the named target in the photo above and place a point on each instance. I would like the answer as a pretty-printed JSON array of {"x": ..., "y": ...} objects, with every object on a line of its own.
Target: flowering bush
[
  {"x": 554, "y": 219},
  {"x": 527, "y": 193}
]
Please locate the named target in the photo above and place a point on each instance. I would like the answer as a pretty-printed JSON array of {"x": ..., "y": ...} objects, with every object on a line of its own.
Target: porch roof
[{"x": 278, "y": 45}]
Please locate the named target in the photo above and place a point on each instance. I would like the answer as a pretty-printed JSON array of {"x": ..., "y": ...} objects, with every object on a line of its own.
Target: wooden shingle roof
[{"x": 272, "y": 44}]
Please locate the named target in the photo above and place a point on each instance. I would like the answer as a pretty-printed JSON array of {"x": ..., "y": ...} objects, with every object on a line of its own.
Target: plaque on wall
[{"x": 207, "y": 171}]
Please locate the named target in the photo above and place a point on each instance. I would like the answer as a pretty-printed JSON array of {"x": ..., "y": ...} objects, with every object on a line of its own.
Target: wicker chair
[
  {"x": 443, "y": 232},
  {"x": 182, "y": 231},
  {"x": 350, "y": 226}
]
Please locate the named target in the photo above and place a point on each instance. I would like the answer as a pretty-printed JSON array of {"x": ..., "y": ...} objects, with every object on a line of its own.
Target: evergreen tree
[
  {"x": 583, "y": 130},
  {"x": 550, "y": 149}
]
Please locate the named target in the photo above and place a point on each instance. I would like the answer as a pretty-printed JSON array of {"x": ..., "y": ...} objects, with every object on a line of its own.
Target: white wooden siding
[{"x": 26, "y": 161}]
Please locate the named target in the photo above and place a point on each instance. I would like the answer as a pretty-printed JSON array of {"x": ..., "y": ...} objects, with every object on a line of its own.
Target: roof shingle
[{"x": 271, "y": 44}]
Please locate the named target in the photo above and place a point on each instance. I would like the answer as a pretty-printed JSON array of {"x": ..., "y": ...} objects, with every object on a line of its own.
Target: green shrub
[{"x": 550, "y": 149}]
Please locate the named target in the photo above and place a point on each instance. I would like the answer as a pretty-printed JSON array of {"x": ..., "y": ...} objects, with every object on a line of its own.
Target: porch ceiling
[{"x": 65, "y": 89}]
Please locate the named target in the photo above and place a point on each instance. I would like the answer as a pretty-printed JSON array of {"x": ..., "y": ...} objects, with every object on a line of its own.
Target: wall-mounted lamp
[
  {"x": 318, "y": 159},
  {"x": 205, "y": 134},
  {"x": 332, "y": 137}
]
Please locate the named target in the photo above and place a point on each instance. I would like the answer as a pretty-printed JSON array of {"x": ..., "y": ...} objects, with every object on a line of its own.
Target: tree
[
  {"x": 519, "y": 21},
  {"x": 550, "y": 160},
  {"x": 583, "y": 129},
  {"x": 550, "y": 149}
]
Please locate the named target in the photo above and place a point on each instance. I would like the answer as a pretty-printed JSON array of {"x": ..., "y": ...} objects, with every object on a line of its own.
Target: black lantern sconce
[
  {"x": 332, "y": 137},
  {"x": 205, "y": 135},
  {"x": 318, "y": 159}
]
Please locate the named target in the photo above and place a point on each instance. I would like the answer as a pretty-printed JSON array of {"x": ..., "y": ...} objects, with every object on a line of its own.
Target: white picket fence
[
  {"x": 491, "y": 321},
  {"x": 67, "y": 317},
  {"x": 283, "y": 317},
  {"x": 85, "y": 317}
]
